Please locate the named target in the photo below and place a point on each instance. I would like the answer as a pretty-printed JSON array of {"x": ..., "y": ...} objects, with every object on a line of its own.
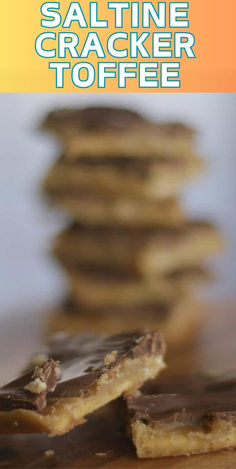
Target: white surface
[{"x": 28, "y": 277}]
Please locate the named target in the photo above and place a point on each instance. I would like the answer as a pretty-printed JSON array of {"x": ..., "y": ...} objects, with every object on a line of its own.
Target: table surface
[{"x": 101, "y": 442}]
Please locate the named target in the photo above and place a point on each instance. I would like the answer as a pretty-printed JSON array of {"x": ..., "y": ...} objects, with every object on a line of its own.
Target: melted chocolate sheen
[
  {"x": 81, "y": 363},
  {"x": 189, "y": 400}
]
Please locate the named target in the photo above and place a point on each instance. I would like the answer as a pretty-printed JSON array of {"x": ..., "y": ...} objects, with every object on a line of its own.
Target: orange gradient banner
[{"x": 211, "y": 23}]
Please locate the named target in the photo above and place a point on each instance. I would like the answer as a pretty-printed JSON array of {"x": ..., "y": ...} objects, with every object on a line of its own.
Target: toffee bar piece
[
  {"x": 92, "y": 208},
  {"x": 150, "y": 179},
  {"x": 106, "y": 289},
  {"x": 188, "y": 415},
  {"x": 178, "y": 320},
  {"x": 149, "y": 250},
  {"x": 81, "y": 374},
  {"x": 105, "y": 131}
]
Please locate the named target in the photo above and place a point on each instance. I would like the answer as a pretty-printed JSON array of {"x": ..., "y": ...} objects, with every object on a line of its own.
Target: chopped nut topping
[
  {"x": 36, "y": 386},
  {"x": 110, "y": 357},
  {"x": 49, "y": 453}
]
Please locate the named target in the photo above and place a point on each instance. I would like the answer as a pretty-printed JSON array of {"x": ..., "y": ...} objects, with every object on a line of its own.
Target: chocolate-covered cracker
[
  {"x": 146, "y": 250},
  {"x": 184, "y": 415},
  {"x": 93, "y": 118},
  {"x": 107, "y": 131},
  {"x": 144, "y": 178},
  {"x": 81, "y": 374},
  {"x": 178, "y": 319},
  {"x": 102, "y": 118},
  {"x": 93, "y": 208},
  {"x": 107, "y": 290}
]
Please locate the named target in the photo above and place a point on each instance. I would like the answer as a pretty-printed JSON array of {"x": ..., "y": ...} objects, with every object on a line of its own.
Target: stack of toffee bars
[
  {"x": 130, "y": 254},
  {"x": 132, "y": 258}
]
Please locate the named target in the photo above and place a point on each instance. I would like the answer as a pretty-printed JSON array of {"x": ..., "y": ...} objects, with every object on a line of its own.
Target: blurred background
[{"x": 30, "y": 279}]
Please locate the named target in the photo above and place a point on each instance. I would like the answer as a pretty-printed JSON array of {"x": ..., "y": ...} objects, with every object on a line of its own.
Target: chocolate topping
[
  {"x": 132, "y": 164},
  {"x": 30, "y": 391},
  {"x": 102, "y": 118},
  {"x": 82, "y": 360},
  {"x": 186, "y": 400},
  {"x": 157, "y": 309},
  {"x": 165, "y": 233},
  {"x": 110, "y": 274},
  {"x": 94, "y": 118}
]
